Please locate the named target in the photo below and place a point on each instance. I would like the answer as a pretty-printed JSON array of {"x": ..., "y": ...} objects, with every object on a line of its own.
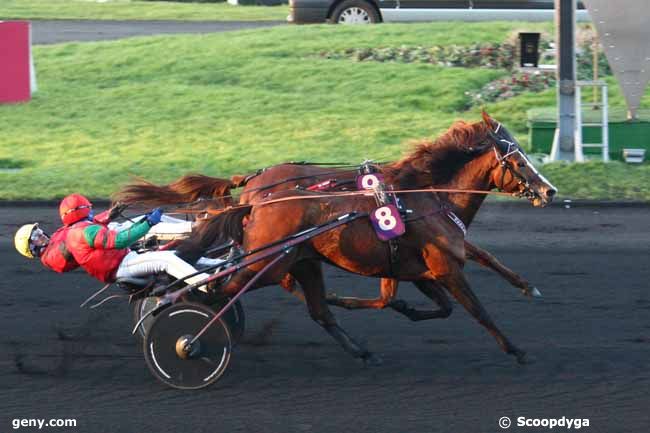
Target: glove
[
  {"x": 154, "y": 216},
  {"x": 116, "y": 210}
]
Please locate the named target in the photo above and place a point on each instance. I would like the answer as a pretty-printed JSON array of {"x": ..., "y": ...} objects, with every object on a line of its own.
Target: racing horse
[
  {"x": 289, "y": 176},
  {"x": 484, "y": 155}
]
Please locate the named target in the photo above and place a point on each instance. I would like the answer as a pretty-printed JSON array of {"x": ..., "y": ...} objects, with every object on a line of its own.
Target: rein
[
  {"x": 331, "y": 164},
  {"x": 502, "y": 159},
  {"x": 368, "y": 193},
  {"x": 328, "y": 164},
  {"x": 291, "y": 179},
  {"x": 263, "y": 187}
]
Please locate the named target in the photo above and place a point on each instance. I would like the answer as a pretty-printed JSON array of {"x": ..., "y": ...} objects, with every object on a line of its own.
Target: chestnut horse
[
  {"x": 260, "y": 185},
  {"x": 432, "y": 252}
]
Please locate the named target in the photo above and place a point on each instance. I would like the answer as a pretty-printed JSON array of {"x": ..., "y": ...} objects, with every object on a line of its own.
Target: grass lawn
[
  {"x": 221, "y": 104},
  {"x": 137, "y": 10}
]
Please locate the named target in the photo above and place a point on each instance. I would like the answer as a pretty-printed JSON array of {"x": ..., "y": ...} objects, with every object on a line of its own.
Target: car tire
[{"x": 355, "y": 12}]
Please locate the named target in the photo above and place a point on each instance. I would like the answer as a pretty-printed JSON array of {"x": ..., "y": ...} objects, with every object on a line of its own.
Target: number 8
[
  {"x": 385, "y": 218},
  {"x": 369, "y": 181}
]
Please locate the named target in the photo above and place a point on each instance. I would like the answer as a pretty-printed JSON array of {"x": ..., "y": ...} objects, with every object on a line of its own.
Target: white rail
[{"x": 603, "y": 123}]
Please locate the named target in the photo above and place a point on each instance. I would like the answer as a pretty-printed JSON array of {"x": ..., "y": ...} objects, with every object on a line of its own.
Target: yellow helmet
[{"x": 22, "y": 239}]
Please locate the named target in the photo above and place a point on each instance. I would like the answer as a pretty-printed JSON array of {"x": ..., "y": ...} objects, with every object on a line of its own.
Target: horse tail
[
  {"x": 196, "y": 186},
  {"x": 145, "y": 193},
  {"x": 221, "y": 228},
  {"x": 240, "y": 180},
  {"x": 186, "y": 189}
]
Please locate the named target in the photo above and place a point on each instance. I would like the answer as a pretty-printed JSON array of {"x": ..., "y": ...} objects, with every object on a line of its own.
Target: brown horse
[
  {"x": 432, "y": 250},
  {"x": 270, "y": 180}
]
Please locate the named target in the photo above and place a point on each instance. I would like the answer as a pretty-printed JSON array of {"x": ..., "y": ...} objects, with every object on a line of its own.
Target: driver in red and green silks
[{"x": 102, "y": 252}]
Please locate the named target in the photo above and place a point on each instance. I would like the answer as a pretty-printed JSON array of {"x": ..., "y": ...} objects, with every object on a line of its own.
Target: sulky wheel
[
  {"x": 170, "y": 356},
  {"x": 234, "y": 318},
  {"x": 140, "y": 308}
]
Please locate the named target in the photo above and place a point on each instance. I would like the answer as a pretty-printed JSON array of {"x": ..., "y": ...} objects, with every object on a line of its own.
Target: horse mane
[
  {"x": 436, "y": 162},
  {"x": 186, "y": 189}
]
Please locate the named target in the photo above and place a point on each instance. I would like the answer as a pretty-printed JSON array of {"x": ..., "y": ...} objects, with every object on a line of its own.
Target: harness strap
[
  {"x": 323, "y": 186},
  {"x": 384, "y": 196},
  {"x": 450, "y": 214},
  {"x": 393, "y": 246},
  {"x": 426, "y": 215},
  {"x": 461, "y": 225},
  {"x": 251, "y": 176}
]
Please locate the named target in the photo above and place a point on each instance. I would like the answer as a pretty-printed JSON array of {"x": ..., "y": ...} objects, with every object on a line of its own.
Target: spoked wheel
[
  {"x": 174, "y": 360},
  {"x": 235, "y": 317}
]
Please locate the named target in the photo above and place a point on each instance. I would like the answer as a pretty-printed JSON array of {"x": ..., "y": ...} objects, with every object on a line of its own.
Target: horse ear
[{"x": 488, "y": 120}]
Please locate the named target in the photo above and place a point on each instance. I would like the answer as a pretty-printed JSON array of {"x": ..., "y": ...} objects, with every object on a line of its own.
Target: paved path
[
  {"x": 58, "y": 31},
  {"x": 590, "y": 335}
]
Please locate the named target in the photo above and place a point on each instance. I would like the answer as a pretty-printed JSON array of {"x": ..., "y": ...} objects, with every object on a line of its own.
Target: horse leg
[
  {"x": 483, "y": 258},
  {"x": 434, "y": 292},
  {"x": 288, "y": 283},
  {"x": 456, "y": 283},
  {"x": 386, "y": 298},
  {"x": 387, "y": 292},
  {"x": 310, "y": 276}
]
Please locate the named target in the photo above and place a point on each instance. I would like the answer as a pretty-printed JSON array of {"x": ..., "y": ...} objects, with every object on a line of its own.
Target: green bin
[{"x": 623, "y": 134}]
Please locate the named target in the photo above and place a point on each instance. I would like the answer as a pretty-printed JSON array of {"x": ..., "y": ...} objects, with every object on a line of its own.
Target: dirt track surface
[
  {"x": 58, "y": 31},
  {"x": 590, "y": 335}
]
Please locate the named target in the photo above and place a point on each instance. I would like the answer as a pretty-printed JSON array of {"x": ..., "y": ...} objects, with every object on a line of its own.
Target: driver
[{"x": 101, "y": 251}]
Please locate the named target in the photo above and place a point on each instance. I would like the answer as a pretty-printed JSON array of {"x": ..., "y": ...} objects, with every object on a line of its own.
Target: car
[{"x": 376, "y": 11}]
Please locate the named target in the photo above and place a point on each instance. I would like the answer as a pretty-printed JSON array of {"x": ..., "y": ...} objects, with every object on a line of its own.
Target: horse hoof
[
  {"x": 331, "y": 298},
  {"x": 532, "y": 292},
  {"x": 372, "y": 360},
  {"x": 524, "y": 359}
]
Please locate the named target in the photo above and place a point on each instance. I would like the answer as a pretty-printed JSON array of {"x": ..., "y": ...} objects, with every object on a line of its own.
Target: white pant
[{"x": 136, "y": 265}]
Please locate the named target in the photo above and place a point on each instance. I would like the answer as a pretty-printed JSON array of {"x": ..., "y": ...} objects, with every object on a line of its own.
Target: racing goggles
[{"x": 37, "y": 241}]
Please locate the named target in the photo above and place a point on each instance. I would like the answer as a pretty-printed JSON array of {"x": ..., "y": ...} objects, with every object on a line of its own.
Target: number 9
[
  {"x": 369, "y": 181},
  {"x": 385, "y": 218}
]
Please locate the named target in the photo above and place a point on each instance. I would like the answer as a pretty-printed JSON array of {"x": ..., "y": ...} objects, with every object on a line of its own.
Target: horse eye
[{"x": 521, "y": 164}]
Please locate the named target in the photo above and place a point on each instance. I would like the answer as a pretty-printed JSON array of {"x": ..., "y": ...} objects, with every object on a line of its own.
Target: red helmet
[{"x": 73, "y": 208}]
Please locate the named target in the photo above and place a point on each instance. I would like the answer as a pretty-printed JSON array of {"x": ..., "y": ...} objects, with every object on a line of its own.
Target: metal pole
[
  {"x": 605, "y": 123},
  {"x": 594, "y": 47},
  {"x": 565, "y": 37},
  {"x": 241, "y": 291}
]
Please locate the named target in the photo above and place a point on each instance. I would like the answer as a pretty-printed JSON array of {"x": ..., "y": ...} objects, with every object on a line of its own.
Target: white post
[
  {"x": 605, "y": 128},
  {"x": 579, "y": 155}
]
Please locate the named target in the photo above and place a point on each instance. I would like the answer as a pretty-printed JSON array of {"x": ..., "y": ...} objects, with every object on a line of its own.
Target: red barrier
[{"x": 15, "y": 61}]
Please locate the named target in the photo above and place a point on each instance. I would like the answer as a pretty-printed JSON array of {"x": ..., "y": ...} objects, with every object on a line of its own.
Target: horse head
[{"x": 514, "y": 172}]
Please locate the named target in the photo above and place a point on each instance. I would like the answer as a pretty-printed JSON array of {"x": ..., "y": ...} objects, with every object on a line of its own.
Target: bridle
[{"x": 507, "y": 166}]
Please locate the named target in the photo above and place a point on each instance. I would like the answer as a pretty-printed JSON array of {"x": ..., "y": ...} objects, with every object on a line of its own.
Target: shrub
[
  {"x": 500, "y": 56},
  {"x": 491, "y": 55},
  {"x": 516, "y": 84}
]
